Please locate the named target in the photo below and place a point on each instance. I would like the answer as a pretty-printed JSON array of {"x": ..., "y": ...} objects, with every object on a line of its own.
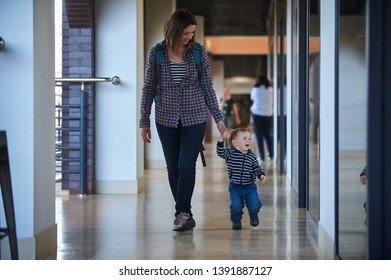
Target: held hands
[
  {"x": 224, "y": 136},
  {"x": 146, "y": 134},
  {"x": 223, "y": 130}
]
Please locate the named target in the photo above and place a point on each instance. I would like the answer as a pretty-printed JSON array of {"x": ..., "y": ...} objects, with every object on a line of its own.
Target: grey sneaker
[
  {"x": 184, "y": 221},
  {"x": 254, "y": 221}
]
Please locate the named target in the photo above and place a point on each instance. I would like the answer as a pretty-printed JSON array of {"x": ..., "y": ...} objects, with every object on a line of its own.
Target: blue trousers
[
  {"x": 242, "y": 195},
  {"x": 181, "y": 147},
  {"x": 263, "y": 126}
]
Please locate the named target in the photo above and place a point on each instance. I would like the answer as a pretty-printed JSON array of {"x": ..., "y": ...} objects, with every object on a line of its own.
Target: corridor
[{"x": 130, "y": 227}]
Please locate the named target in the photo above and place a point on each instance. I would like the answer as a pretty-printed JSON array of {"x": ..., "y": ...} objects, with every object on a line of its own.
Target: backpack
[{"x": 158, "y": 67}]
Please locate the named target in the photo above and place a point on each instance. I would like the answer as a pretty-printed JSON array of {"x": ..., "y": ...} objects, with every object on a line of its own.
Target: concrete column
[
  {"x": 326, "y": 225},
  {"x": 27, "y": 115},
  {"x": 119, "y": 52}
]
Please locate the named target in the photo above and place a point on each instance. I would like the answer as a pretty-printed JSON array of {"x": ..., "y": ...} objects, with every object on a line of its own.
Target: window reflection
[
  {"x": 352, "y": 99},
  {"x": 314, "y": 104}
]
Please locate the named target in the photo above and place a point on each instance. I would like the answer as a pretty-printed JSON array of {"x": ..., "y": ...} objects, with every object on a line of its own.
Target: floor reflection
[{"x": 140, "y": 226}]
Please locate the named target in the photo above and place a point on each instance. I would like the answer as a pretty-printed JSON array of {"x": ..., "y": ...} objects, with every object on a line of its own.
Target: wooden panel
[
  {"x": 247, "y": 45},
  {"x": 237, "y": 45},
  {"x": 79, "y": 13}
]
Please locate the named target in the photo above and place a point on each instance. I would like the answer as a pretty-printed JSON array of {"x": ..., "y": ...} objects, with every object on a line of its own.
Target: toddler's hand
[{"x": 263, "y": 179}]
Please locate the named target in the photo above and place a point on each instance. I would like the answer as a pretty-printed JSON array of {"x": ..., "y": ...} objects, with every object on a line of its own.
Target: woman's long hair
[
  {"x": 262, "y": 80},
  {"x": 174, "y": 27}
]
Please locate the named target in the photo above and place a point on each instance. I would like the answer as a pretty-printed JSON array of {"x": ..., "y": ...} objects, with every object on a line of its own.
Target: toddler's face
[{"x": 242, "y": 142}]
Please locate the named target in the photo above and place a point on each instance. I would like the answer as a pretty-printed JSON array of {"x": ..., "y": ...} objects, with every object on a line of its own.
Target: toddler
[{"x": 243, "y": 170}]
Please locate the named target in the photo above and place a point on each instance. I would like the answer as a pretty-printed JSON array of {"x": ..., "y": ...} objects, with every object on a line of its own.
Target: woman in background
[{"x": 262, "y": 114}]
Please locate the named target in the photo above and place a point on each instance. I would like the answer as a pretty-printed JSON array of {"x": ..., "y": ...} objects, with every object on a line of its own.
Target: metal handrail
[{"x": 115, "y": 80}]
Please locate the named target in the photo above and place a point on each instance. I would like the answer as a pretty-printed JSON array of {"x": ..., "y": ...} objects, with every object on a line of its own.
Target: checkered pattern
[{"x": 188, "y": 101}]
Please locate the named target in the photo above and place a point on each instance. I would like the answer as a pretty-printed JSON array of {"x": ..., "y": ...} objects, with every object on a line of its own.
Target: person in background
[
  {"x": 230, "y": 109},
  {"x": 185, "y": 95},
  {"x": 314, "y": 90},
  {"x": 243, "y": 170},
  {"x": 262, "y": 114}
]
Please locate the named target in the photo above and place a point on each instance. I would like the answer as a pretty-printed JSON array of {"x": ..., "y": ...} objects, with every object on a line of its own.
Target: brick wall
[{"x": 78, "y": 61}]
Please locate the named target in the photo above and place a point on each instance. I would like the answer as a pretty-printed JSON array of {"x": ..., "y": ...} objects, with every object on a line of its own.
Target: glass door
[
  {"x": 313, "y": 95},
  {"x": 352, "y": 129}
]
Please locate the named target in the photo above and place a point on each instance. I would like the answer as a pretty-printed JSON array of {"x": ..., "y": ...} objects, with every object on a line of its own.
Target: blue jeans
[
  {"x": 181, "y": 147},
  {"x": 241, "y": 195}
]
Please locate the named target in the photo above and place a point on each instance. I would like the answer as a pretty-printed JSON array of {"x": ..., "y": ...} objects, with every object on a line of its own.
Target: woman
[
  {"x": 262, "y": 113},
  {"x": 185, "y": 94}
]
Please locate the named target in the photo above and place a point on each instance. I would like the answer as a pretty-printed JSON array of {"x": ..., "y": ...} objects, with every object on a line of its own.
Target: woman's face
[{"x": 187, "y": 34}]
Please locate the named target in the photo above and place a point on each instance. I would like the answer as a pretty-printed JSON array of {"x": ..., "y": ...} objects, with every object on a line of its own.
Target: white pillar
[
  {"x": 27, "y": 115},
  {"x": 326, "y": 225},
  {"x": 119, "y": 52}
]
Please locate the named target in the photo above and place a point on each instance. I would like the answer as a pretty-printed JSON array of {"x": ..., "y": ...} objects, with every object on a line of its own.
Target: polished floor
[{"x": 130, "y": 227}]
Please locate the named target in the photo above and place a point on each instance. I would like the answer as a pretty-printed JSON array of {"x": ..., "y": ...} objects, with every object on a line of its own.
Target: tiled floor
[{"x": 140, "y": 226}]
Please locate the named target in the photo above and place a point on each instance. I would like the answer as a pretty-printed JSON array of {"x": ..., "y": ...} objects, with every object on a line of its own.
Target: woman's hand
[
  {"x": 222, "y": 128},
  {"x": 224, "y": 137},
  {"x": 146, "y": 134}
]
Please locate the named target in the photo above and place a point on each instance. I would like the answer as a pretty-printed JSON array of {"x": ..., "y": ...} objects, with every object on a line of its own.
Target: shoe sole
[{"x": 258, "y": 227}]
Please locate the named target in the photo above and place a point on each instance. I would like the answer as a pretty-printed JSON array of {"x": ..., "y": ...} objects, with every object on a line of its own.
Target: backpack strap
[
  {"x": 202, "y": 155},
  {"x": 197, "y": 57},
  {"x": 159, "y": 54},
  {"x": 158, "y": 69}
]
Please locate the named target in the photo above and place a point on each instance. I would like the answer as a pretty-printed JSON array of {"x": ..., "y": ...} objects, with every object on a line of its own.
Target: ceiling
[
  {"x": 233, "y": 18},
  {"x": 230, "y": 17},
  {"x": 222, "y": 18}
]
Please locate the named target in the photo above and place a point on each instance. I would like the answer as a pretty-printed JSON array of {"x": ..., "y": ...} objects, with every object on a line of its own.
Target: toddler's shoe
[
  {"x": 236, "y": 225},
  {"x": 254, "y": 221}
]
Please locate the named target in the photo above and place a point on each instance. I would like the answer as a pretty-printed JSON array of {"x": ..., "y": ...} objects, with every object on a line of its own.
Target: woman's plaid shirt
[{"x": 188, "y": 101}]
